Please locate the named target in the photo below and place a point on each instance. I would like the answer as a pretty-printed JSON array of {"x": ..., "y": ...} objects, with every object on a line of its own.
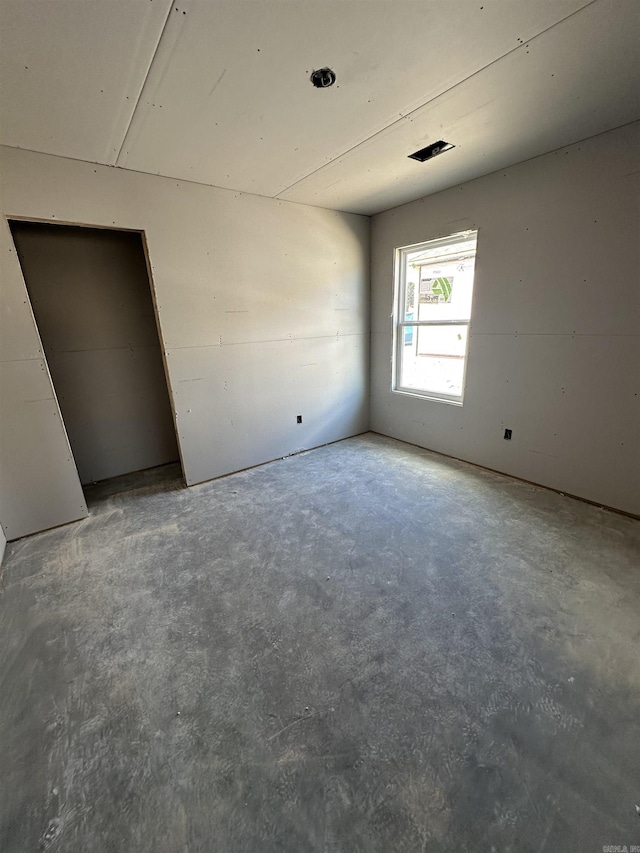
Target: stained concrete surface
[{"x": 363, "y": 648}]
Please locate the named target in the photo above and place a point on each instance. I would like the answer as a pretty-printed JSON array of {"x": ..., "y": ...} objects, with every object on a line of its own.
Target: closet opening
[{"x": 92, "y": 298}]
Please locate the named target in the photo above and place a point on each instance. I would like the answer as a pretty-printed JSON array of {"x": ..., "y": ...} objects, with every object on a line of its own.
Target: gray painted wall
[
  {"x": 263, "y": 314},
  {"x": 89, "y": 290},
  {"x": 555, "y": 338}
]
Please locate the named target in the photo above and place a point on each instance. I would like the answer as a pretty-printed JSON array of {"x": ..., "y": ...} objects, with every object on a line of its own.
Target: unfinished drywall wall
[
  {"x": 90, "y": 294},
  {"x": 39, "y": 485},
  {"x": 263, "y": 315},
  {"x": 554, "y": 349}
]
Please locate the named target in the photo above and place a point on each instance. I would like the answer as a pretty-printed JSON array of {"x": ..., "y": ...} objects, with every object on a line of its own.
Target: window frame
[{"x": 400, "y": 324}]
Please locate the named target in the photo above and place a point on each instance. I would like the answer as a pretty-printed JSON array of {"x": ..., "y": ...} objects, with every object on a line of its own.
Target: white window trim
[{"x": 399, "y": 275}]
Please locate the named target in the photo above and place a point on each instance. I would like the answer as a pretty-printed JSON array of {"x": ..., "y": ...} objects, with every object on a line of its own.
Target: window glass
[{"x": 434, "y": 295}]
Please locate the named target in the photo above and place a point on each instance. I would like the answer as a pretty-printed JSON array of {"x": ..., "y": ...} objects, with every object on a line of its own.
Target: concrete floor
[{"x": 364, "y": 648}]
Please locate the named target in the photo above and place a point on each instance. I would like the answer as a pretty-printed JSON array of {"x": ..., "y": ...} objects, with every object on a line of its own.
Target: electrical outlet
[
  {"x": 507, "y": 434},
  {"x": 299, "y": 419}
]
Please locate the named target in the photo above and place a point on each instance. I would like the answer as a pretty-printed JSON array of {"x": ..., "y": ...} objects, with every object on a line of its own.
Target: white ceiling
[{"x": 218, "y": 91}]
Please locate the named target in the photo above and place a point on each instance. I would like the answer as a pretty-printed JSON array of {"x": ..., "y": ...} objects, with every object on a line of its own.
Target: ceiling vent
[{"x": 431, "y": 150}]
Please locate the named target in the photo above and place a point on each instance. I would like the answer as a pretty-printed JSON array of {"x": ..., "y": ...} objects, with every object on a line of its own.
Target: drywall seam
[
  {"x": 144, "y": 83},
  {"x": 274, "y": 340},
  {"x": 407, "y": 116},
  {"x": 157, "y": 175},
  {"x": 507, "y": 166}
]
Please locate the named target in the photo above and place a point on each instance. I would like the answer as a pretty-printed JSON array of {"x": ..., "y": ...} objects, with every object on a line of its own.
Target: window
[{"x": 434, "y": 289}]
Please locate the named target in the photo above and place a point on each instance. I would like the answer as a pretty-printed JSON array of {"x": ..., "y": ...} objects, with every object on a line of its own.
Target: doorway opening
[{"x": 91, "y": 296}]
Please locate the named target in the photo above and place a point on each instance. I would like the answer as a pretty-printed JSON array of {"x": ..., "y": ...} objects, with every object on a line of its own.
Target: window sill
[{"x": 423, "y": 395}]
